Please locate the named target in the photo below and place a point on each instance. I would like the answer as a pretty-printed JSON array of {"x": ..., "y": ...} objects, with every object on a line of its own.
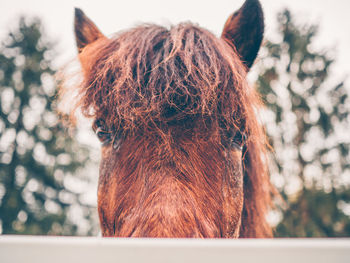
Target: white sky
[{"x": 112, "y": 16}]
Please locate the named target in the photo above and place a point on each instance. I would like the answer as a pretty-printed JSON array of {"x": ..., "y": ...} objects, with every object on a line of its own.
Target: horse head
[{"x": 183, "y": 153}]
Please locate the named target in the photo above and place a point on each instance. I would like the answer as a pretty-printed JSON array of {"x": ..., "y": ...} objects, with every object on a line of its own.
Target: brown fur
[{"x": 173, "y": 100}]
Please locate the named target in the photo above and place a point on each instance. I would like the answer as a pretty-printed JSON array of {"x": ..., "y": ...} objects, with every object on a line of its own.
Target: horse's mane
[{"x": 159, "y": 81}]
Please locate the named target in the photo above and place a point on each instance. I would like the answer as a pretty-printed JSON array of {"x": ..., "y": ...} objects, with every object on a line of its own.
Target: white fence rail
[{"x": 30, "y": 249}]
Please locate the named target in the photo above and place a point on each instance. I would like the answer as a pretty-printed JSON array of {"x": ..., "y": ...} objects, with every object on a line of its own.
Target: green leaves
[
  {"x": 311, "y": 118},
  {"x": 35, "y": 151}
]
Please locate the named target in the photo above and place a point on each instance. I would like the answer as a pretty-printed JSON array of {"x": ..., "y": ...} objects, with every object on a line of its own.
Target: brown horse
[{"x": 183, "y": 154}]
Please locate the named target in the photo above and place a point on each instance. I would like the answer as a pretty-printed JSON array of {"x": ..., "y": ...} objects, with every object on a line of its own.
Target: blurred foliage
[
  {"x": 307, "y": 121},
  {"x": 36, "y": 155}
]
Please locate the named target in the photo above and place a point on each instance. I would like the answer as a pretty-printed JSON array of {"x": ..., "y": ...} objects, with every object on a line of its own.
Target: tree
[
  {"x": 307, "y": 123},
  {"x": 36, "y": 155}
]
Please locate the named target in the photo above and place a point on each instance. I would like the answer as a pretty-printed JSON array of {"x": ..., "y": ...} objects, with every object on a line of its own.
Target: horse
[{"x": 183, "y": 152}]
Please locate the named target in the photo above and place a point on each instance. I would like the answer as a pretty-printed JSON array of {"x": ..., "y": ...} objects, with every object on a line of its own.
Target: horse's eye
[
  {"x": 238, "y": 141},
  {"x": 102, "y": 132}
]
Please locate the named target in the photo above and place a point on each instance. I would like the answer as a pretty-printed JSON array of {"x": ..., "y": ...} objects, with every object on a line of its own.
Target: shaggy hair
[{"x": 169, "y": 87}]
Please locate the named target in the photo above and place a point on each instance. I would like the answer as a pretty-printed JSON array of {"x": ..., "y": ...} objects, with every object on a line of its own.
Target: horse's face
[{"x": 171, "y": 108}]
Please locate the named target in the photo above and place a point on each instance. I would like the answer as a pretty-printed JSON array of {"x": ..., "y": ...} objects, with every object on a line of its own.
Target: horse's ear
[
  {"x": 86, "y": 31},
  {"x": 244, "y": 30}
]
